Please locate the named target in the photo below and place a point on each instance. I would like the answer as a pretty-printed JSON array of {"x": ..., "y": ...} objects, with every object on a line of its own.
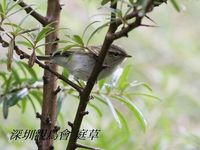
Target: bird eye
[{"x": 115, "y": 54}]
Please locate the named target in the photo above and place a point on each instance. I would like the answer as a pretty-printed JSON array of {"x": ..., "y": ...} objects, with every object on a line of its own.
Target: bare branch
[{"x": 32, "y": 12}]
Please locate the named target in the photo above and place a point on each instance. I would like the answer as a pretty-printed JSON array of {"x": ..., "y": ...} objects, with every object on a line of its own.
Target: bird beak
[{"x": 128, "y": 55}]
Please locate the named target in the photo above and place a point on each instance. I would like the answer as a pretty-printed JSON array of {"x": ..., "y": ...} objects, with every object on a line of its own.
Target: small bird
[{"x": 80, "y": 62}]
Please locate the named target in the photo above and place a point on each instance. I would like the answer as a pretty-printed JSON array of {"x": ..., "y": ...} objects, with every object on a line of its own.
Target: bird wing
[{"x": 94, "y": 49}]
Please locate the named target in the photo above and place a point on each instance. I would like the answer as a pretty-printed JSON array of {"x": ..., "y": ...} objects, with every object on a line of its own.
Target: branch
[
  {"x": 126, "y": 30},
  {"x": 136, "y": 23},
  {"x": 127, "y": 17},
  {"x": 86, "y": 147},
  {"x": 85, "y": 95},
  {"x": 27, "y": 56},
  {"x": 32, "y": 12}
]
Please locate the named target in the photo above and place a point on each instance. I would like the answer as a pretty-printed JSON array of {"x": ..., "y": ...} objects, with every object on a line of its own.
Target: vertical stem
[
  {"x": 85, "y": 94},
  {"x": 49, "y": 106}
]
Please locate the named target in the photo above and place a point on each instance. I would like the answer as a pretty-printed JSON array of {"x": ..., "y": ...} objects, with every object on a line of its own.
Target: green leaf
[
  {"x": 112, "y": 110},
  {"x": 103, "y": 2},
  {"x": 11, "y": 24},
  {"x": 69, "y": 47},
  {"x": 8, "y": 83},
  {"x": 27, "y": 43},
  {"x": 136, "y": 83},
  {"x": 31, "y": 71},
  {"x": 88, "y": 27},
  {"x": 14, "y": 6},
  {"x": 146, "y": 95},
  {"x": 1, "y": 99},
  {"x": 175, "y": 4},
  {"x": 1, "y": 12},
  {"x": 62, "y": 121},
  {"x": 23, "y": 104},
  {"x": 16, "y": 97},
  {"x": 24, "y": 18},
  {"x": 124, "y": 123},
  {"x": 134, "y": 109},
  {"x": 96, "y": 109},
  {"x": 55, "y": 42},
  {"x": 5, "y": 109},
  {"x": 4, "y": 5},
  {"x": 78, "y": 40},
  {"x": 61, "y": 97},
  {"x": 43, "y": 33},
  {"x": 16, "y": 76},
  {"x": 65, "y": 72},
  {"x": 3, "y": 75},
  {"x": 37, "y": 95},
  {"x": 123, "y": 83},
  {"x": 10, "y": 54},
  {"x": 33, "y": 105},
  {"x": 95, "y": 31},
  {"x": 101, "y": 83}
]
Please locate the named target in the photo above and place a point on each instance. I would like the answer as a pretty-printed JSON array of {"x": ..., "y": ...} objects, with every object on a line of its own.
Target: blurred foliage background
[{"x": 165, "y": 57}]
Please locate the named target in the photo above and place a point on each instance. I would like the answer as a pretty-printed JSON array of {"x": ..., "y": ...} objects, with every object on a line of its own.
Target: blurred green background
[{"x": 165, "y": 57}]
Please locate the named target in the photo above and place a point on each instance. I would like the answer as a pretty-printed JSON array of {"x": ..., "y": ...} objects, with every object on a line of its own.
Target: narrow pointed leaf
[
  {"x": 78, "y": 40},
  {"x": 175, "y": 4},
  {"x": 10, "y": 55},
  {"x": 112, "y": 110},
  {"x": 103, "y": 2},
  {"x": 99, "y": 28},
  {"x": 43, "y": 33},
  {"x": 96, "y": 109},
  {"x": 135, "y": 110},
  {"x": 5, "y": 109}
]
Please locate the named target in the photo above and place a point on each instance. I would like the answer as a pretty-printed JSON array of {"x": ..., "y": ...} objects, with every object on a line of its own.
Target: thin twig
[
  {"x": 126, "y": 30},
  {"x": 86, "y": 147},
  {"x": 32, "y": 12}
]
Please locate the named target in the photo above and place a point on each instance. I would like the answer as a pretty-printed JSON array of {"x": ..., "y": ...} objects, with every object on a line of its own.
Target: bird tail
[{"x": 44, "y": 58}]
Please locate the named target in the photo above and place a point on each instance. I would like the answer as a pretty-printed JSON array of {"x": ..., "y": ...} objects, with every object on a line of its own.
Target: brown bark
[{"x": 49, "y": 106}]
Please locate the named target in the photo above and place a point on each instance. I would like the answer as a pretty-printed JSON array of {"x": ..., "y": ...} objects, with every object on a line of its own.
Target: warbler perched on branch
[{"x": 80, "y": 63}]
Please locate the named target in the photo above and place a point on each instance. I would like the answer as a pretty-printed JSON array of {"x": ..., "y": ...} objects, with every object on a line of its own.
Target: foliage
[{"x": 118, "y": 94}]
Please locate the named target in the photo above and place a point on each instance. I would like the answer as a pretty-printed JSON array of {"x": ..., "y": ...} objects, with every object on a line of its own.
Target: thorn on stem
[
  {"x": 84, "y": 113},
  {"x": 70, "y": 124},
  {"x": 56, "y": 129},
  {"x": 91, "y": 97},
  {"x": 57, "y": 39},
  {"x": 38, "y": 115},
  {"x": 57, "y": 90},
  {"x": 61, "y": 5}
]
